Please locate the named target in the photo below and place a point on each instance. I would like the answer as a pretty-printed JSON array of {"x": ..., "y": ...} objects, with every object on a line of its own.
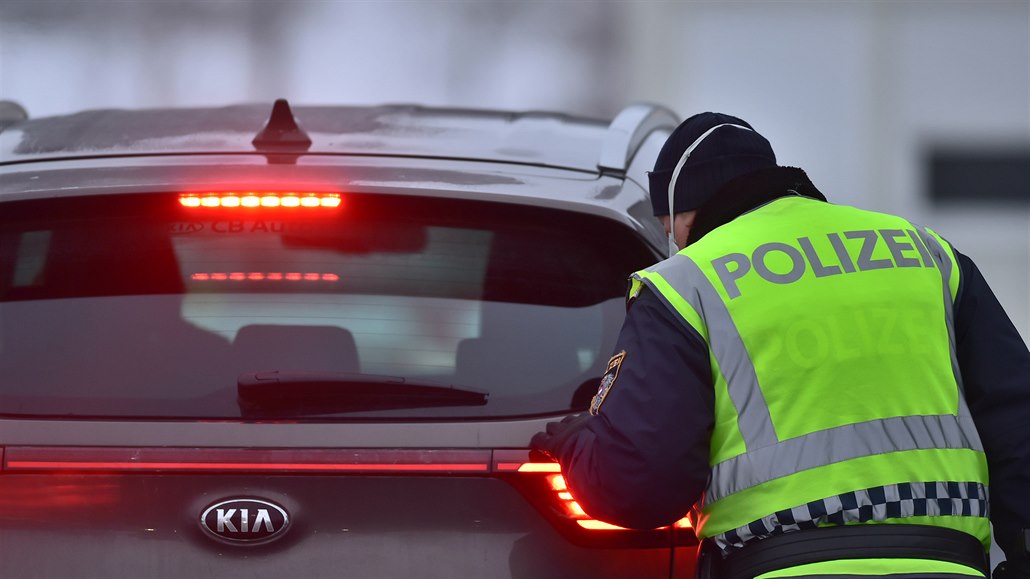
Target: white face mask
[{"x": 673, "y": 247}]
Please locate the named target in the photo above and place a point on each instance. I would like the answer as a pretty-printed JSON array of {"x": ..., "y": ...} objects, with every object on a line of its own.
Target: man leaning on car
[{"x": 799, "y": 372}]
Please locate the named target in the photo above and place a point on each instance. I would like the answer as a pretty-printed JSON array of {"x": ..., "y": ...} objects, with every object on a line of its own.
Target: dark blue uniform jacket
[{"x": 642, "y": 462}]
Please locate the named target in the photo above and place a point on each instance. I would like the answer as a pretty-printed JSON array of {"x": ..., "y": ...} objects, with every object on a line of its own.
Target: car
[{"x": 313, "y": 341}]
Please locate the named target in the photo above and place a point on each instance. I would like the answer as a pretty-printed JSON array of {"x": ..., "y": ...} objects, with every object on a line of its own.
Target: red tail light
[
  {"x": 256, "y": 199},
  {"x": 546, "y": 487}
]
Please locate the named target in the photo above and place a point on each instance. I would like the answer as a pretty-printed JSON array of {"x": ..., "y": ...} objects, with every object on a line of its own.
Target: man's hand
[{"x": 551, "y": 441}]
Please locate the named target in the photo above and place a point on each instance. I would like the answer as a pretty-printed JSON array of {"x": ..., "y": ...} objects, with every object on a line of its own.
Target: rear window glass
[{"x": 387, "y": 306}]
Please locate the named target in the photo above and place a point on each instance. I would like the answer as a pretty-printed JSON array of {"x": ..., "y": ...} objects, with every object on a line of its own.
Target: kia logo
[{"x": 245, "y": 521}]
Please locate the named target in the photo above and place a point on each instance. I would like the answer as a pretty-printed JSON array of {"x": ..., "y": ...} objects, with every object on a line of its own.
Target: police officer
[{"x": 797, "y": 374}]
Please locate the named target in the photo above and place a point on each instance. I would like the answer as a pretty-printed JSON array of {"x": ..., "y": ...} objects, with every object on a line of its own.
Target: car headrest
[{"x": 295, "y": 348}]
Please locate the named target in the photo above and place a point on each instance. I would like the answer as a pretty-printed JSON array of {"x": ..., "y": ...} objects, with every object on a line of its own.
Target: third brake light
[{"x": 253, "y": 199}]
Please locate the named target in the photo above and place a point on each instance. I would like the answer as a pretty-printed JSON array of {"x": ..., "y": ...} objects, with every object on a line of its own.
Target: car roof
[
  {"x": 536, "y": 138},
  {"x": 531, "y": 158}
]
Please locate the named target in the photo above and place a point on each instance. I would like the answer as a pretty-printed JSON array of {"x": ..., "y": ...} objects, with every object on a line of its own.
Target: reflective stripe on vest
[
  {"x": 944, "y": 263},
  {"x": 686, "y": 279}
]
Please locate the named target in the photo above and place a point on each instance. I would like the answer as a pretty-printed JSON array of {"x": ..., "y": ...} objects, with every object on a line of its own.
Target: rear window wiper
[{"x": 289, "y": 394}]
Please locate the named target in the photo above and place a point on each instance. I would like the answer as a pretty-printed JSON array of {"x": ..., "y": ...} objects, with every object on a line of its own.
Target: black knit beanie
[{"x": 725, "y": 153}]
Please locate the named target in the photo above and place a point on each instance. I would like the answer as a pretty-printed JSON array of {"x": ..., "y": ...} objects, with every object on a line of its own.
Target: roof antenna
[{"x": 281, "y": 132}]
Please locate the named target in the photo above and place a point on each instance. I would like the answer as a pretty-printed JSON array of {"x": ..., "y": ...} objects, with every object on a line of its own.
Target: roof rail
[
  {"x": 10, "y": 113},
  {"x": 628, "y": 130}
]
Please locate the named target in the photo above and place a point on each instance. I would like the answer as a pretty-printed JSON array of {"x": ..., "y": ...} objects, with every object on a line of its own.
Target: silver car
[{"x": 313, "y": 343}]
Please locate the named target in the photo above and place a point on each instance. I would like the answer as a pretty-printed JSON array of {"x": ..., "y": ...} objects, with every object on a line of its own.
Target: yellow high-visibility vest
[{"x": 838, "y": 397}]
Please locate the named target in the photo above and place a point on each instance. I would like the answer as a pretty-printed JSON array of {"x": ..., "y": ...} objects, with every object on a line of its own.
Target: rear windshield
[{"x": 135, "y": 306}]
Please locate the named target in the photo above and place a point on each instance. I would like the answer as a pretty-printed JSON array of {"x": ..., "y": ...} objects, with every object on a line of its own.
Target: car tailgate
[{"x": 169, "y": 508}]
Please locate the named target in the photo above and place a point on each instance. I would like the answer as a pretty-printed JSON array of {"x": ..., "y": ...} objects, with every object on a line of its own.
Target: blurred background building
[{"x": 920, "y": 108}]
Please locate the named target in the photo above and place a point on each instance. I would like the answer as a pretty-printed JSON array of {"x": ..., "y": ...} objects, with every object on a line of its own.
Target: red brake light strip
[
  {"x": 254, "y": 199},
  {"x": 235, "y": 460},
  {"x": 263, "y": 276},
  {"x": 237, "y": 466}
]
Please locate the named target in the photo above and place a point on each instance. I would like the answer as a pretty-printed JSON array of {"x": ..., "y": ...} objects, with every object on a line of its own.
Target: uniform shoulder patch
[{"x": 607, "y": 381}]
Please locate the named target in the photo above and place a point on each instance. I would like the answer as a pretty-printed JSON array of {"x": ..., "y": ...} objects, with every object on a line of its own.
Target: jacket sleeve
[
  {"x": 995, "y": 367},
  {"x": 642, "y": 461}
]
